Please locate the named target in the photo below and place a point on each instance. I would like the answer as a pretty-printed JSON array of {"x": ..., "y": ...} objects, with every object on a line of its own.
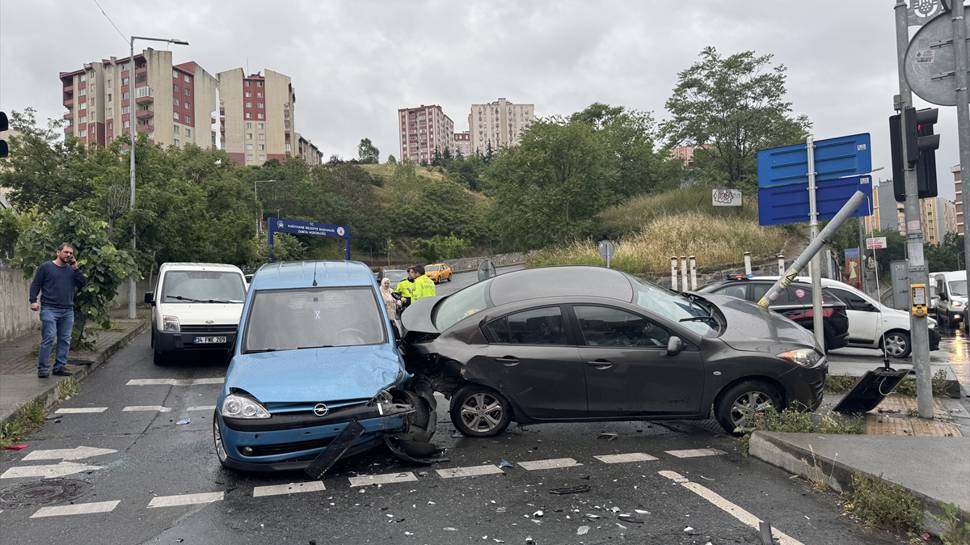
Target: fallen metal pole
[{"x": 813, "y": 248}]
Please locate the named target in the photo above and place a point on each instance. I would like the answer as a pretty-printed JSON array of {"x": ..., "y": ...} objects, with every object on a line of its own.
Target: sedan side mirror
[
  {"x": 149, "y": 298},
  {"x": 675, "y": 345}
]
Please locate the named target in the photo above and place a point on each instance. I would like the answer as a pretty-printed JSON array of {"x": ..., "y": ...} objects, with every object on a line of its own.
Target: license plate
[{"x": 209, "y": 340}]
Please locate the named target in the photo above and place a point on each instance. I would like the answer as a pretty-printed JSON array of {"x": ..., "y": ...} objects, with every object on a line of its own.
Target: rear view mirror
[
  {"x": 149, "y": 298},
  {"x": 675, "y": 345}
]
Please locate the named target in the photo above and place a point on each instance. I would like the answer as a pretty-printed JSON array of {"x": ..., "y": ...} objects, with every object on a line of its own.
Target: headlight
[
  {"x": 806, "y": 357},
  {"x": 240, "y": 406},
  {"x": 170, "y": 324},
  {"x": 958, "y": 304}
]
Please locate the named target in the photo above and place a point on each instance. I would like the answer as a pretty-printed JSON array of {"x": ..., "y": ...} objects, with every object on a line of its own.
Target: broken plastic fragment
[
  {"x": 16, "y": 446},
  {"x": 582, "y": 530},
  {"x": 505, "y": 464},
  {"x": 578, "y": 489},
  {"x": 609, "y": 436},
  {"x": 183, "y": 422},
  {"x": 538, "y": 514}
]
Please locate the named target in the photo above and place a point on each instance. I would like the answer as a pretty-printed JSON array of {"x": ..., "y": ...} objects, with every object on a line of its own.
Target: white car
[
  {"x": 195, "y": 307},
  {"x": 950, "y": 296},
  {"x": 870, "y": 321}
]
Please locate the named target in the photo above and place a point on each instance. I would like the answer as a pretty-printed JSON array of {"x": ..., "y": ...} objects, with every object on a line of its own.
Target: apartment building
[
  {"x": 462, "y": 144},
  {"x": 307, "y": 151},
  {"x": 932, "y": 213},
  {"x": 958, "y": 204},
  {"x": 498, "y": 124},
  {"x": 424, "y": 130},
  {"x": 172, "y": 104},
  {"x": 257, "y": 116}
]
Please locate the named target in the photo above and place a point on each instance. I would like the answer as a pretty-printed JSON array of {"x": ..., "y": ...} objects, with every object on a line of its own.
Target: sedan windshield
[
  {"x": 675, "y": 307},
  {"x": 466, "y": 302},
  {"x": 202, "y": 287},
  {"x": 294, "y": 319},
  {"x": 395, "y": 275},
  {"x": 958, "y": 288}
]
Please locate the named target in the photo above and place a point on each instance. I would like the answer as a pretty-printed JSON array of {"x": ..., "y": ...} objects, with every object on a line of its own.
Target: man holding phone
[{"x": 56, "y": 282}]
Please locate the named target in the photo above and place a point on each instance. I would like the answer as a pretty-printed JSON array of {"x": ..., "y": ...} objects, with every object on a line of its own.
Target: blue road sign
[
  {"x": 300, "y": 227},
  {"x": 842, "y": 166}
]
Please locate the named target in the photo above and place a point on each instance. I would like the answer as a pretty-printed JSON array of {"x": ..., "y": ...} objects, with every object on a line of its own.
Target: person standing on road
[
  {"x": 389, "y": 300},
  {"x": 423, "y": 286},
  {"x": 405, "y": 288},
  {"x": 56, "y": 282}
]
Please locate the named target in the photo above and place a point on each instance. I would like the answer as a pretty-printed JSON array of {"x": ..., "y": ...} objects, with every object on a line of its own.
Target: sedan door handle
[
  {"x": 600, "y": 363},
  {"x": 508, "y": 361}
]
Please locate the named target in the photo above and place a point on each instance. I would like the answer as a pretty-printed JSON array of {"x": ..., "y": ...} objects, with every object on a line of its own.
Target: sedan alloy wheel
[{"x": 479, "y": 412}]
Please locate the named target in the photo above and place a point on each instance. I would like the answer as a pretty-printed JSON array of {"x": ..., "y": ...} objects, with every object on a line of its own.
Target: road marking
[
  {"x": 77, "y": 453},
  {"x": 145, "y": 409},
  {"x": 185, "y": 499},
  {"x": 291, "y": 488},
  {"x": 76, "y": 509},
  {"x": 553, "y": 463},
  {"x": 174, "y": 381},
  {"x": 80, "y": 410},
  {"x": 46, "y": 471},
  {"x": 625, "y": 458},
  {"x": 695, "y": 452},
  {"x": 387, "y": 478},
  {"x": 730, "y": 508},
  {"x": 471, "y": 471},
  {"x": 201, "y": 408}
]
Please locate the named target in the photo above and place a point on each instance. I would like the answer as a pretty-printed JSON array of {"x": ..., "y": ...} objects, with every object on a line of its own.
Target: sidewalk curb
[
  {"x": 835, "y": 474},
  {"x": 49, "y": 396}
]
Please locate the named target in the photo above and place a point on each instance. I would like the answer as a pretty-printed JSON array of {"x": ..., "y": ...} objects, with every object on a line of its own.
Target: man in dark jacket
[{"x": 56, "y": 281}]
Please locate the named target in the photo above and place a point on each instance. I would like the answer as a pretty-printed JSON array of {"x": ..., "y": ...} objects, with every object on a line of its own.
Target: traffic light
[
  {"x": 4, "y": 127},
  {"x": 921, "y": 146}
]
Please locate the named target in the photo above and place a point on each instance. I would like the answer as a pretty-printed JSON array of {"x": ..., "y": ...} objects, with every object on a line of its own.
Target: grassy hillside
[{"x": 650, "y": 229}]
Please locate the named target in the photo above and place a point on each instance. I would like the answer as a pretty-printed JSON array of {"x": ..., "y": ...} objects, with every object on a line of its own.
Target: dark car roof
[{"x": 560, "y": 282}]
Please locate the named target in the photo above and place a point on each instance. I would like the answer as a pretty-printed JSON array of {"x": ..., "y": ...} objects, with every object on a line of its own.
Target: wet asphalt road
[{"x": 156, "y": 459}]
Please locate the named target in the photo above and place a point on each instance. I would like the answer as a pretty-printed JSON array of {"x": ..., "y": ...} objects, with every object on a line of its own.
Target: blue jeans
[{"x": 59, "y": 322}]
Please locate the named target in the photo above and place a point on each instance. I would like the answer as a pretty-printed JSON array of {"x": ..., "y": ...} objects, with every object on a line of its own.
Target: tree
[
  {"x": 729, "y": 108},
  {"x": 105, "y": 266},
  {"x": 391, "y": 160},
  {"x": 367, "y": 153}
]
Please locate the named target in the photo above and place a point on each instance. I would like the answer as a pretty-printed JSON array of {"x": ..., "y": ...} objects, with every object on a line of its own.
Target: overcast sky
[{"x": 354, "y": 63}]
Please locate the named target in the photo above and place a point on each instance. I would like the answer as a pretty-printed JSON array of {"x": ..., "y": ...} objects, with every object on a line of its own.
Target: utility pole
[
  {"x": 919, "y": 334},
  {"x": 963, "y": 115},
  {"x": 818, "y": 327}
]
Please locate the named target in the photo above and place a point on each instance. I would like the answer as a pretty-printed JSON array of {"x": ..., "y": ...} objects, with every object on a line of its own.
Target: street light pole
[{"x": 132, "y": 124}]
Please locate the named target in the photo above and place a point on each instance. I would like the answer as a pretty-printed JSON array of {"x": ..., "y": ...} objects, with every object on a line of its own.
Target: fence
[{"x": 16, "y": 318}]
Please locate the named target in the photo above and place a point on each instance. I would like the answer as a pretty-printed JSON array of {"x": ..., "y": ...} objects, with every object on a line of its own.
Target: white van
[
  {"x": 950, "y": 296},
  {"x": 195, "y": 307}
]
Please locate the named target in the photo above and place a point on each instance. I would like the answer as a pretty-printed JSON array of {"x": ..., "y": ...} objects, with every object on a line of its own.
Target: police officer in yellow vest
[
  {"x": 405, "y": 288},
  {"x": 423, "y": 286}
]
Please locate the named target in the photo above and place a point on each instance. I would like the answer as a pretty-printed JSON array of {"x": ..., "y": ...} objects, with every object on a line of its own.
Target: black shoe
[
  {"x": 62, "y": 372},
  {"x": 43, "y": 375}
]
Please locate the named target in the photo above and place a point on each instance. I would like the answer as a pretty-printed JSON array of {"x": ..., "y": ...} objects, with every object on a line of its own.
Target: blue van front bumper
[{"x": 296, "y": 447}]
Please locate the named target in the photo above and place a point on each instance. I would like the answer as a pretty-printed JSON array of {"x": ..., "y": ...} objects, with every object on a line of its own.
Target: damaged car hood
[
  {"x": 753, "y": 329},
  {"x": 318, "y": 374}
]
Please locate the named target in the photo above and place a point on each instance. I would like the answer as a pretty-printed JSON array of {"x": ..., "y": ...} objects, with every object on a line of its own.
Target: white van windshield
[
  {"x": 202, "y": 287},
  {"x": 958, "y": 288}
]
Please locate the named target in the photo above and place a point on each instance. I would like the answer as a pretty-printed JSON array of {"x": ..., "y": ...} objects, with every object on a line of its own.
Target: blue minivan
[{"x": 316, "y": 354}]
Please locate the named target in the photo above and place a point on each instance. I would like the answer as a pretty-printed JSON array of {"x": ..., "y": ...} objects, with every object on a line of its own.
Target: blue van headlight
[{"x": 240, "y": 406}]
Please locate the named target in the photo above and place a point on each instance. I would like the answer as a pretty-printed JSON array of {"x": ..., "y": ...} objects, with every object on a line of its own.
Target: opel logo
[
  {"x": 210, "y": 321},
  {"x": 320, "y": 409}
]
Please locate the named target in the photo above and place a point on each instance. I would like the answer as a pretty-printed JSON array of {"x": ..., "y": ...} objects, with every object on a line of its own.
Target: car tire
[
  {"x": 730, "y": 405},
  {"x": 897, "y": 343},
  {"x": 217, "y": 442},
  {"x": 477, "y": 411}
]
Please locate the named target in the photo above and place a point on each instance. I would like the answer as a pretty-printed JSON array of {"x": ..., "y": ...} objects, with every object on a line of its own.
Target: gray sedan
[{"x": 587, "y": 344}]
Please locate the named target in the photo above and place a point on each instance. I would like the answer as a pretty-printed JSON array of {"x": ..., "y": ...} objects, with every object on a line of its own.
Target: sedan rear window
[{"x": 292, "y": 319}]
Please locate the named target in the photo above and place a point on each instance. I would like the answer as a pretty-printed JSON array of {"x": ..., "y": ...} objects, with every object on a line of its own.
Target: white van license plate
[{"x": 209, "y": 340}]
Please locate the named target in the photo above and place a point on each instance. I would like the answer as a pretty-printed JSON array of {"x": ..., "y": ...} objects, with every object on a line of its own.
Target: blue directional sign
[
  {"x": 842, "y": 166},
  {"x": 300, "y": 227}
]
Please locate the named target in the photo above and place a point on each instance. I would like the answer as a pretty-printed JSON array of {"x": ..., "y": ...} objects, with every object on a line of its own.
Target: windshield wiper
[
  {"x": 258, "y": 350},
  {"x": 319, "y": 346},
  {"x": 180, "y": 298},
  {"x": 221, "y": 301},
  {"x": 708, "y": 318}
]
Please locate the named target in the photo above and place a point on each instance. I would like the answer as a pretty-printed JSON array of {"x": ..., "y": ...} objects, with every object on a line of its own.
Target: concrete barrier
[{"x": 16, "y": 318}]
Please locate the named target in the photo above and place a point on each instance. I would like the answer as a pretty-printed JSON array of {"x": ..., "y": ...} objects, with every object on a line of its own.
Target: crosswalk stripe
[
  {"x": 145, "y": 409},
  {"x": 625, "y": 458},
  {"x": 185, "y": 499},
  {"x": 290, "y": 488},
  {"x": 76, "y": 509},
  {"x": 471, "y": 471},
  {"x": 80, "y": 410},
  {"x": 728, "y": 507},
  {"x": 552, "y": 463},
  {"x": 387, "y": 478},
  {"x": 174, "y": 381},
  {"x": 695, "y": 452},
  {"x": 201, "y": 408}
]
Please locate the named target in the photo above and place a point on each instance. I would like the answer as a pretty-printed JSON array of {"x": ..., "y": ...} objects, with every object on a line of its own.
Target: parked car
[
  {"x": 195, "y": 308},
  {"x": 438, "y": 272},
  {"x": 591, "y": 344},
  {"x": 316, "y": 356},
  {"x": 870, "y": 322},
  {"x": 395, "y": 275},
  {"x": 795, "y": 302},
  {"x": 950, "y": 297}
]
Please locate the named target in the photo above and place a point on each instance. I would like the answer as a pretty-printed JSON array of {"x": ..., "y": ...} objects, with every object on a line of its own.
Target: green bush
[
  {"x": 439, "y": 248},
  {"x": 879, "y": 503}
]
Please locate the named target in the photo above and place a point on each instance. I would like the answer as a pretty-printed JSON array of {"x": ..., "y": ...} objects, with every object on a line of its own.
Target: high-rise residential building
[
  {"x": 307, "y": 151},
  {"x": 172, "y": 104},
  {"x": 884, "y": 215},
  {"x": 498, "y": 124},
  {"x": 424, "y": 130},
  {"x": 932, "y": 211},
  {"x": 958, "y": 204},
  {"x": 948, "y": 213},
  {"x": 257, "y": 116},
  {"x": 462, "y": 144}
]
